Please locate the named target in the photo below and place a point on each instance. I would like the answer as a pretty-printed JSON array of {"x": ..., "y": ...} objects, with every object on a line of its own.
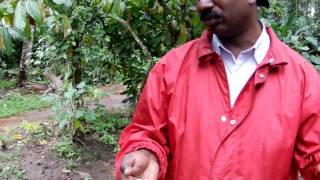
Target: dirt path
[{"x": 113, "y": 102}]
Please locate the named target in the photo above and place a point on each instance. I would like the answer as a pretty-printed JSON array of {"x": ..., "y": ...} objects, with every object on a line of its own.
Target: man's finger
[
  {"x": 133, "y": 171},
  {"x": 127, "y": 164},
  {"x": 122, "y": 168},
  {"x": 128, "y": 171}
]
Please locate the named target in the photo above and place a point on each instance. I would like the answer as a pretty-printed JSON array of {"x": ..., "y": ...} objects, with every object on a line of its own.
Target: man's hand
[{"x": 141, "y": 164}]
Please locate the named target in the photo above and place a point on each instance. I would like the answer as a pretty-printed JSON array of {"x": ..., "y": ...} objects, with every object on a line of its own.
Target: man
[{"x": 234, "y": 104}]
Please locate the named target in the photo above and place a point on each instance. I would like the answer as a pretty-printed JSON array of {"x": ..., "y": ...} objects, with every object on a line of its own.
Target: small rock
[
  {"x": 38, "y": 163},
  {"x": 66, "y": 171},
  {"x": 45, "y": 167},
  {"x": 84, "y": 175}
]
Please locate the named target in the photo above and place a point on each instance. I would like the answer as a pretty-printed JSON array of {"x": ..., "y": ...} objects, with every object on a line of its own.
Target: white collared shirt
[{"x": 239, "y": 70}]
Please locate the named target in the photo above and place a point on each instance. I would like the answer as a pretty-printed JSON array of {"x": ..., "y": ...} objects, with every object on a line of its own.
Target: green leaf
[
  {"x": 312, "y": 40},
  {"x": 81, "y": 85},
  {"x": 76, "y": 123},
  {"x": 20, "y": 16},
  {"x": 304, "y": 48},
  {"x": 70, "y": 93},
  {"x": 116, "y": 7},
  {"x": 7, "y": 41},
  {"x": 107, "y": 5},
  {"x": 67, "y": 29},
  {"x": 65, "y": 2},
  {"x": 34, "y": 11},
  {"x": 90, "y": 116},
  {"x": 183, "y": 34},
  {"x": 27, "y": 30},
  {"x": 79, "y": 114},
  {"x": 15, "y": 33},
  {"x": 63, "y": 122},
  {"x": 315, "y": 59},
  {"x": 9, "y": 19},
  {"x": 1, "y": 39}
]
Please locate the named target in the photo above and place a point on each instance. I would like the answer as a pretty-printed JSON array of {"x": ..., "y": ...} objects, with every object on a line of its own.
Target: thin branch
[{"x": 145, "y": 50}]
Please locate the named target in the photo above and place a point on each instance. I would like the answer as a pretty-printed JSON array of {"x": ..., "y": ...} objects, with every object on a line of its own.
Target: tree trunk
[
  {"x": 25, "y": 56},
  {"x": 77, "y": 72}
]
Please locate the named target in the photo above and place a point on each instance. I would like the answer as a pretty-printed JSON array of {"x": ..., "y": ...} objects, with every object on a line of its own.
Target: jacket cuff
[
  {"x": 310, "y": 170},
  {"x": 152, "y": 147}
]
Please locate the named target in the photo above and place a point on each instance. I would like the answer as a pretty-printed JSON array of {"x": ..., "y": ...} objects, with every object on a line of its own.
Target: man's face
[{"x": 226, "y": 18}]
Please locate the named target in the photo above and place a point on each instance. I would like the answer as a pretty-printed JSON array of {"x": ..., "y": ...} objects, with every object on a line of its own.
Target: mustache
[{"x": 208, "y": 14}]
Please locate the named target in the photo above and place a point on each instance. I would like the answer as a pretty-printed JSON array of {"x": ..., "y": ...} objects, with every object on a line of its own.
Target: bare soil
[{"x": 40, "y": 163}]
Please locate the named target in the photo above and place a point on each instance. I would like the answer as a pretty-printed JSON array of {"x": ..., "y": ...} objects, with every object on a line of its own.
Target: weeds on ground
[
  {"x": 67, "y": 149},
  {"x": 7, "y": 138},
  {"x": 107, "y": 125},
  {"x": 7, "y": 84},
  {"x": 70, "y": 151},
  {"x": 11, "y": 171},
  {"x": 37, "y": 133},
  {"x": 10, "y": 155},
  {"x": 14, "y": 103}
]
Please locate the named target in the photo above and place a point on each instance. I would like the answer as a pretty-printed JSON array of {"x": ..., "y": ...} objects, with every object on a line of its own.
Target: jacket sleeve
[
  {"x": 307, "y": 151},
  {"x": 148, "y": 127}
]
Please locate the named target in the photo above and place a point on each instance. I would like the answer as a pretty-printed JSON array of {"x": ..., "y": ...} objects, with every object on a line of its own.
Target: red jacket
[{"x": 184, "y": 117}]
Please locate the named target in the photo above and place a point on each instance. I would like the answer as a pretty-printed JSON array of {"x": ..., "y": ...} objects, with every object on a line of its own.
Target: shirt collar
[{"x": 260, "y": 48}]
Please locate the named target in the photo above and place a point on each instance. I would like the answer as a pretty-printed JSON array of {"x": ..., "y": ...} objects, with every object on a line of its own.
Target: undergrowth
[
  {"x": 7, "y": 83},
  {"x": 15, "y": 102},
  {"x": 107, "y": 126}
]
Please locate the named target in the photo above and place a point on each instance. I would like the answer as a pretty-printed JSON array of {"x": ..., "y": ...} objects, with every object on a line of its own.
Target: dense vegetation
[{"x": 91, "y": 42}]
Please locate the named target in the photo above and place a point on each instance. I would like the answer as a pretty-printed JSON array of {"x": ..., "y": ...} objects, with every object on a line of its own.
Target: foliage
[
  {"x": 38, "y": 133},
  {"x": 300, "y": 33},
  {"x": 67, "y": 149},
  {"x": 107, "y": 125},
  {"x": 15, "y": 102},
  {"x": 7, "y": 138},
  {"x": 71, "y": 111},
  {"x": 7, "y": 84},
  {"x": 119, "y": 37},
  {"x": 18, "y": 16},
  {"x": 11, "y": 171},
  {"x": 160, "y": 25}
]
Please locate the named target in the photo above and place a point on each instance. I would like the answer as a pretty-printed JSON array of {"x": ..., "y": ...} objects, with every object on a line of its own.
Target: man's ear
[{"x": 251, "y": 2}]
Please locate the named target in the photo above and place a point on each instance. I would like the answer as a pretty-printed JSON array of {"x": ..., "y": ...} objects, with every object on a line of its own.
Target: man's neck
[{"x": 244, "y": 40}]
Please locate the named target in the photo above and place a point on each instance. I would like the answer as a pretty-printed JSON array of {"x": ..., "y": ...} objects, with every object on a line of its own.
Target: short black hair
[{"x": 264, "y": 3}]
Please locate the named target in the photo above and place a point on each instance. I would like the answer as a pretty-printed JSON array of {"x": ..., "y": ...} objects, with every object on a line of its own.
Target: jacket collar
[{"x": 276, "y": 54}]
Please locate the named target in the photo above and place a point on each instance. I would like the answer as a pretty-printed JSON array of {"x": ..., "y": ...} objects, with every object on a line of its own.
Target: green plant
[
  {"x": 11, "y": 150},
  {"x": 7, "y": 84},
  {"x": 11, "y": 171},
  {"x": 15, "y": 102},
  {"x": 71, "y": 111},
  {"x": 300, "y": 33},
  {"x": 71, "y": 164},
  {"x": 67, "y": 149},
  {"x": 38, "y": 133},
  {"x": 106, "y": 126}
]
